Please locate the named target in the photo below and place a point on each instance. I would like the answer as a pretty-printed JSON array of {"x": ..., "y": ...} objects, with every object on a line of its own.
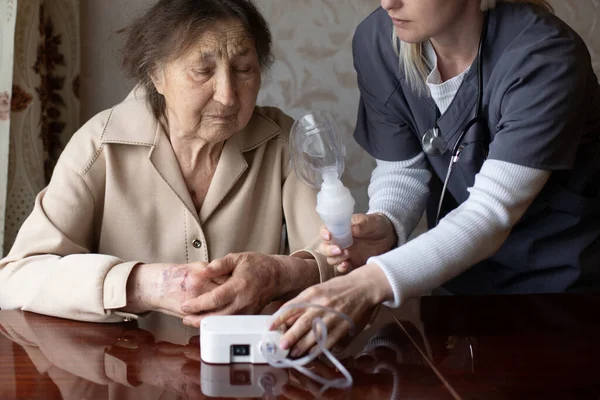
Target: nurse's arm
[
  {"x": 471, "y": 233},
  {"x": 399, "y": 190}
]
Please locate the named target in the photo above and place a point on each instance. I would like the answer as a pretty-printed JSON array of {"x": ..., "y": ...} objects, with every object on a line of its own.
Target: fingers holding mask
[
  {"x": 344, "y": 259},
  {"x": 344, "y": 267},
  {"x": 325, "y": 234},
  {"x": 327, "y": 247},
  {"x": 335, "y": 255}
]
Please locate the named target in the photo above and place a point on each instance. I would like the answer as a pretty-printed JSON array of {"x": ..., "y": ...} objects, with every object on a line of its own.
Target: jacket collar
[
  {"x": 232, "y": 163},
  {"x": 132, "y": 123}
]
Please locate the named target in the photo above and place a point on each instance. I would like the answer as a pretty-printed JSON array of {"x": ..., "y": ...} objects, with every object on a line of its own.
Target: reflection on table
[
  {"x": 45, "y": 357},
  {"x": 478, "y": 347},
  {"x": 512, "y": 347}
]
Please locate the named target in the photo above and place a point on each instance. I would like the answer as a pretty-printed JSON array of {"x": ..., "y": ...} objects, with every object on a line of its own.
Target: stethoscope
[{"x": 434, "y": 145}]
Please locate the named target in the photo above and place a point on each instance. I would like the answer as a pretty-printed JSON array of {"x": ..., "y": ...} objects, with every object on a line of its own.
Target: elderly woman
[{"x": 184, "y": 171}]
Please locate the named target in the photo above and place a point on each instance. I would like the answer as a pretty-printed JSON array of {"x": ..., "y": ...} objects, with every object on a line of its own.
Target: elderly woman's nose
[
  {"x": 391, "y": 4},
  {"x": 225, "y": 89}
]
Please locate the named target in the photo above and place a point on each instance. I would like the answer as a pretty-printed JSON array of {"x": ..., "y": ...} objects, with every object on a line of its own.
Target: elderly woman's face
[
  {"x": 211, "y": 91},
  {"x": 416, "y": 21}
]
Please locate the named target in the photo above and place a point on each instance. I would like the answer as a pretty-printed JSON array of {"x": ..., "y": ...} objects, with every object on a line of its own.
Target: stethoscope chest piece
[{"x": 432, "y": 143}]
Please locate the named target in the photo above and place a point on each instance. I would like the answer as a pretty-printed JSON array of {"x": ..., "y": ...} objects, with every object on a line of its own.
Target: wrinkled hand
[
  {"x": 164, "y": 287},
  {"x": 373, "y": 235},
  {"x": 356, "y": 295},
  {"x": 256, "y": 280}
]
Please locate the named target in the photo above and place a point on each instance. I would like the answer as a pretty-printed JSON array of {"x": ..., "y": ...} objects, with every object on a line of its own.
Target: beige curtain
[{"x": 44, "y": 105}]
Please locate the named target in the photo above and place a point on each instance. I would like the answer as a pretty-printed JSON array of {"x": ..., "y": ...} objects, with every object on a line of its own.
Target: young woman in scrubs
[{"x": 487, "y": 116}]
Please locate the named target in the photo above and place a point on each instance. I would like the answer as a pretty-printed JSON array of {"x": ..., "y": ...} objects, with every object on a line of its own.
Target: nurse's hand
[
  {"x": 253, "y": 280},
  {"x": 373, "y": 235},
  {"x": 356, "y": 295}
]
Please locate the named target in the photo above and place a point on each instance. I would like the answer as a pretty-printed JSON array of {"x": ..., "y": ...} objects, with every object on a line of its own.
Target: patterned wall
[{"x": 584, "y": 17}]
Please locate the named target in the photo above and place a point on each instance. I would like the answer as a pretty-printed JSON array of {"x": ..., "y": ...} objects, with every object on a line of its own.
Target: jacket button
[{"x": 197, "y": 243}]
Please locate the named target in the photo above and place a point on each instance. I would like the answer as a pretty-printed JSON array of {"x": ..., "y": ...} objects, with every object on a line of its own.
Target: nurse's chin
[{"x": 409, "y": 36}]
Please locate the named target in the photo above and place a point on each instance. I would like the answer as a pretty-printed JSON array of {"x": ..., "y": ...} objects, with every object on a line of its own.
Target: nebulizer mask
[{"x": 317, "y": 154}]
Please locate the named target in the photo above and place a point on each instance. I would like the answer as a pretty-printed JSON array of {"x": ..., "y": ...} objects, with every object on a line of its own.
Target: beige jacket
[{"x": 117, "y": 198}]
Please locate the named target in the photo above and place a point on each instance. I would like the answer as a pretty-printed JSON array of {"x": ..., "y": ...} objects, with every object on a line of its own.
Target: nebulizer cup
[{"x": 317, "y": 154}]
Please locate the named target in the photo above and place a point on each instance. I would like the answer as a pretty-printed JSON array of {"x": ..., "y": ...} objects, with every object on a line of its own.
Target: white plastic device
[
  {"x": 229, "y": 339},
  {"x": 241, "y": 380},
  {"x": 232, "y": 339},
  {"x": 317, "y": 154}
]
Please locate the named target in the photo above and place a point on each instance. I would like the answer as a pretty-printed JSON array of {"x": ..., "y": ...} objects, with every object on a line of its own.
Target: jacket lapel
[
  {"x": 132, "y": 123},
  {"x": 230, "y": 168},
  {"x": 232, "y": 163},
  {"x": 165, "y": 163}
]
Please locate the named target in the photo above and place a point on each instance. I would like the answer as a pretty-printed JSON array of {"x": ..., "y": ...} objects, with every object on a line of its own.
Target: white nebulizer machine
[
  {"x": 317, "y": 154},
  {"x": 231, "y": 339}
]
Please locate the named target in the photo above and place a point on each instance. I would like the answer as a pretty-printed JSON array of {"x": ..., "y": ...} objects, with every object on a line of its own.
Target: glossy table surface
[{"x": 480, "y": 347}]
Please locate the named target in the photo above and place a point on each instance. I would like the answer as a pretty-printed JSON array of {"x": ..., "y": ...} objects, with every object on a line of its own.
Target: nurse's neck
[{"x": 456, "y": 46}]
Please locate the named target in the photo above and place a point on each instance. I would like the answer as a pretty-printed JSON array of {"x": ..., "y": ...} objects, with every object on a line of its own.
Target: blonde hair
[{"x": 413, "y": 62}]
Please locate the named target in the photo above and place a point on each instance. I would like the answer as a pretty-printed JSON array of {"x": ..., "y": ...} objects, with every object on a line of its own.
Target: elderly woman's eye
[
  {"x": 243, "y": 70},
  {"x": 202, "y": 71}
]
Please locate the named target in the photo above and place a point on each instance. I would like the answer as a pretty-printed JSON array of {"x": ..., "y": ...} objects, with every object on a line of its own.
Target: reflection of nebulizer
[{"x": 318, "y": 159}]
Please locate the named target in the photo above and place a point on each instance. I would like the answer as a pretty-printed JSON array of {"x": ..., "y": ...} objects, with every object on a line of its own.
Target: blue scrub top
[{"x": 541, "y": 100}]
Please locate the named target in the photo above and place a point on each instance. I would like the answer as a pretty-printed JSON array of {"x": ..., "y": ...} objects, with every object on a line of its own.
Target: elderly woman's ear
[{"x": 157, "y": 76}]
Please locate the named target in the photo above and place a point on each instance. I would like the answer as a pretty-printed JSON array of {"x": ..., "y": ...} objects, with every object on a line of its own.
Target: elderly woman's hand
[
  {"x": 255, "y": 280},
  {"x": 164, "y": 287},
  {"x": 356, "y": 295},
  {"x": 373, "y": 235}
]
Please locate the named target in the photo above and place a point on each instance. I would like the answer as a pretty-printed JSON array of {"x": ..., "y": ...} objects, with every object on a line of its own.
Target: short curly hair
[{"x": 170, "y": 27}]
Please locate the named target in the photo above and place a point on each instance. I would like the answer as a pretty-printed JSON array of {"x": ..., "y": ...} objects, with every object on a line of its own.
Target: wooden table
[{"x": 488, "y": 347}]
